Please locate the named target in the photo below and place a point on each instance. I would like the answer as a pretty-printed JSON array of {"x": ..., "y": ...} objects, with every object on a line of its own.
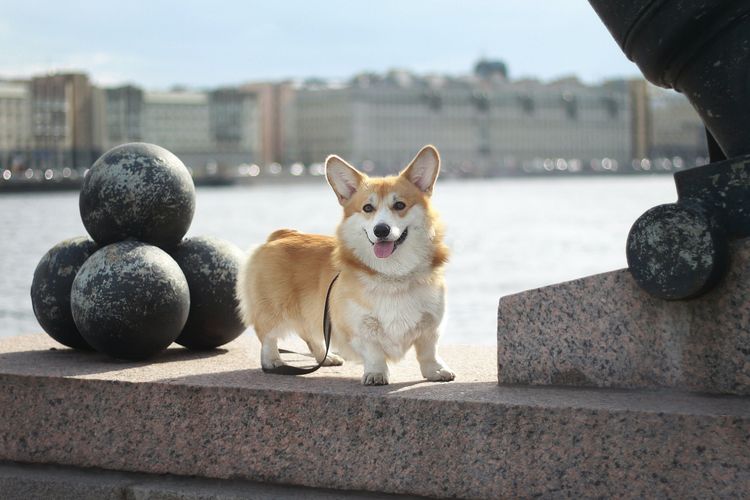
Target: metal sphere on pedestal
[
  {"x": 139, "y": 191},
  {"x": 50, "y": 289},
  {"x": 130, "y": 300},
  {"x": 211, "y": 267}
]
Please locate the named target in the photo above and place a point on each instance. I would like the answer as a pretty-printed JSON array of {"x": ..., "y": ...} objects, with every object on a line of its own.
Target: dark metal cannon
[{"x": 701, "y": 49}]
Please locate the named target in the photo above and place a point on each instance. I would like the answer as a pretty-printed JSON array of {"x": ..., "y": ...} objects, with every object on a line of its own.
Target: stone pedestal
[
  {"x": 604, "y": 331},
  {"x": 216, "y": 415}
]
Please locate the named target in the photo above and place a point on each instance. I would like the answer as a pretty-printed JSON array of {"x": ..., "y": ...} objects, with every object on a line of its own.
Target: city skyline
[
  {"x": 484, "y": 124},
  {"x": 167, "y": 44}
]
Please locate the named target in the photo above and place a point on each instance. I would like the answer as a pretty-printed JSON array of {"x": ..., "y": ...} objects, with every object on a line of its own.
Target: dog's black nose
[{"x": 381, "y": 230}]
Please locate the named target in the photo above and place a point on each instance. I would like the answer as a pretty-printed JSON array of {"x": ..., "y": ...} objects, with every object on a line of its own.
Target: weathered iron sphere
[
  {"x": 130, "y": 300},
  {"x": 676, "y": 251},
  {"x": 50, "y": 289},
  {"x": 139, "y": 191},
  {"x": 211, "y": 267}
]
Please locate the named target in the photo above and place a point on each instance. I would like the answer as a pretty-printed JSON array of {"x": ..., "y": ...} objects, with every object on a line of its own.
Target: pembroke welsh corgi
[{"x": 388, "y": 254}]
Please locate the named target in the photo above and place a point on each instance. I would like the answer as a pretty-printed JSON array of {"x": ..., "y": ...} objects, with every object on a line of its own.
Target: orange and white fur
[{"x": 389, "y": 296}]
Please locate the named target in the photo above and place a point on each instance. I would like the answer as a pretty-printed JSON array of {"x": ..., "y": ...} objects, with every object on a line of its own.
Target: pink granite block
[
  {"x": 216, "y": 415},
  {"x": 604, "y": 331}
]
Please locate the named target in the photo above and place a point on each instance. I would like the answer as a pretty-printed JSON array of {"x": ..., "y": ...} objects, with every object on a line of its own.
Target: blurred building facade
[
  {"x": 272, "y": 103},
  {"x": 483, "y": 124},
  {"x": 479, "y": 124},
  {"x": 179, "y": 121},
  {"x": 205, "y": 129},
  {"x": 674, "y": 130},
  {"x": 62, "y": 119},
  {"x": 15, "y": 123},
  {"x": 118, "y": 113}
]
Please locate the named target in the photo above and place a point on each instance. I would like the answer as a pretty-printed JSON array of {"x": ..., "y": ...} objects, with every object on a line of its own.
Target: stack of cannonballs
[{"x": 137, "y": 285}]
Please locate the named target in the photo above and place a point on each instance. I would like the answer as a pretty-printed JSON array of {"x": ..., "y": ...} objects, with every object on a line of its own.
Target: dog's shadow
[
  {"x": 255, "y": 378},
  {"x": 64, "y": 362},
  {"x": 61, "y": 361}
]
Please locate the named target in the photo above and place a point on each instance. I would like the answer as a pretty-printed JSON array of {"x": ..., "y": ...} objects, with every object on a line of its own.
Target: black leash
[{"x": 296, "y": 370}]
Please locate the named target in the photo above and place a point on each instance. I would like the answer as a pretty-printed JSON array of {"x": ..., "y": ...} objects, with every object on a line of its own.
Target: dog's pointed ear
[
  {"x": 343, "y": 178},
  {"x": 424, "y": 169}
]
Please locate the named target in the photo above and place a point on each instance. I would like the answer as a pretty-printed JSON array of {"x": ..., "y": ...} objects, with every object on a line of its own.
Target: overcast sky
[{"x": 158, "y": 44}]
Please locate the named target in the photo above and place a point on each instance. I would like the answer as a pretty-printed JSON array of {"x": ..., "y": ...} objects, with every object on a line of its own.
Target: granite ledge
[
  {"x": 215, "y": 415},
  {"x": 50, "y": 482},
  {"x": 604, "y": 331}
]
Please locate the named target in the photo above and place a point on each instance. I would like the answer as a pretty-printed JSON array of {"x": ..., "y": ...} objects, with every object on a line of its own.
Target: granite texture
[
  {"x": 216, "y": 415},
  {"x": 38, "y": 482},
  {"x": 49, "y": 482},
  {"x": 604, "y": 331}
]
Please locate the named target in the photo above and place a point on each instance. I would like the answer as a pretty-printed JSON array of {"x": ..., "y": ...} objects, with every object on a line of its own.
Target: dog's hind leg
[
  {"x": 318, "y": 349},
  {"x": 269, "y": 350}
]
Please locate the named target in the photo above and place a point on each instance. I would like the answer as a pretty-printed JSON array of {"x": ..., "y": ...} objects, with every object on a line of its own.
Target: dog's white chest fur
[{"x": 398, "y": 314}]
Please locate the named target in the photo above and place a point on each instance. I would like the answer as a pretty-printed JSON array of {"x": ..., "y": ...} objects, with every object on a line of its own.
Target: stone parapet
[
  {"x": 605, "y": 331},
  {"x": 216, "y": 415}
]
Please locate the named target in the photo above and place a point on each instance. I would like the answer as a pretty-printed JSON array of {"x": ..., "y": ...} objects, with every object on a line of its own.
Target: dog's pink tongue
[{"x": 384, "y": 249}]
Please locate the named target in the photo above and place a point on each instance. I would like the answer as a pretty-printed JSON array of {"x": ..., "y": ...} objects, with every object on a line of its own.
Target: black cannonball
[
  {"x": 50, "y": 289},
  {"x": 139, "y": 191},
  {"x": 130, "y": 300},
  {"x": 211, "y": 267},
  {"x": 676, "y": 251}
]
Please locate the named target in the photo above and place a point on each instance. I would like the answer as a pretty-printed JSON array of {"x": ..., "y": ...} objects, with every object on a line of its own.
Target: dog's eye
[
  {"x": 368, "y": 208},
  {"x": 399, "y": 205}
]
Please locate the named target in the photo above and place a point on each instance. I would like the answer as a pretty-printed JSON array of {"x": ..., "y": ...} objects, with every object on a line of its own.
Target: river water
[{"x": 506, "y": 235}]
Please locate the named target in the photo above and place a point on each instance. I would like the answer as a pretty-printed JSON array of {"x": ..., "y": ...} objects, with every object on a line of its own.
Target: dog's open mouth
[{"x": 384, "y": 249}]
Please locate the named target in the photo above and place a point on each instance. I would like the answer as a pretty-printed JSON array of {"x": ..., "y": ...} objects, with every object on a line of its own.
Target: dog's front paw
[
  {"x": 269, "y": 364},
  {"x": 375, "y": 378},
  {"x": 333, "y": 360},
  {"x": 441, "y": 374}
]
